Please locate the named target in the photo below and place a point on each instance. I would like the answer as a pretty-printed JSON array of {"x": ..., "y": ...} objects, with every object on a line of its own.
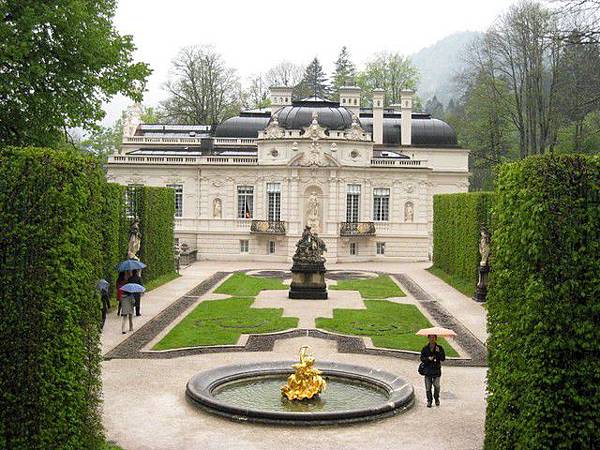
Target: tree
[
  {"x": 345, "y": 72},
  {"x": 434, "y": 107},
  {"x": 523, "y": 52},
  {"x": 314, "y": 82},
  {"x": 60, "y": 61},
  {"x": 257, "y": 94},
  {"x": 284, "y": 74},
  {"x": 483, "y": 125},
  {"x": 391, "y": 72},
  {"x": 202, "y": 88}
]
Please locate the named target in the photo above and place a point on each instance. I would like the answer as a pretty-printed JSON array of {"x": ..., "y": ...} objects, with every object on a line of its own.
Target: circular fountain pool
[{"x": 252, "y": 392}]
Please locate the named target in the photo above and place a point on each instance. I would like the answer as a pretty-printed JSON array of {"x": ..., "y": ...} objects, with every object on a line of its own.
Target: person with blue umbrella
[{"x": 128, "y": 302}]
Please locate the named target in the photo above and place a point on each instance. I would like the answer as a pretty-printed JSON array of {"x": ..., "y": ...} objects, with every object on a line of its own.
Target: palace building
[{"x": 364, "y": 179}]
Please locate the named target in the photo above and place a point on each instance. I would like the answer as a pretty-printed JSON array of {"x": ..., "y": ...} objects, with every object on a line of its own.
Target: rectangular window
[
  {"x": 178, "y": 188},
  {"x": 381, "y": 204},
  {"x": 245, "y": 202},
  {"x": 381, "y": 248},
  {"x": 353, "y": 248},
  {"x": 131, "y": 197},
  {"x": 271, "y": 248},
  {"x": 244, "y": 246},
  {"x": 352, "y": 203},
  {"x": 273, "y": 202}
]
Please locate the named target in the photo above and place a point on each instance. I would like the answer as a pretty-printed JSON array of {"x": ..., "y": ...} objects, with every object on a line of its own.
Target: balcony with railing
[
  {"x": 391, "y": 162},
  {"x": 267, "y": 227},
  {"x": 357, "y": 229}
]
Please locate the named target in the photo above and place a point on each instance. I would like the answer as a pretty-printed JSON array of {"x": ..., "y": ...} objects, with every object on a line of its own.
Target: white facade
[{"x": 254, "y": 204}]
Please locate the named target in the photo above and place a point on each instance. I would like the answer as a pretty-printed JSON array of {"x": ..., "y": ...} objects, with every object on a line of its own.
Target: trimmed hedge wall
[
  {"x": 456, "y": 224},
  {"x": 156, "y": 212},
  {"x": 50, "y": 261},
  {"x": 114, "y": 231},
  {"x": 543, "y": 306}
]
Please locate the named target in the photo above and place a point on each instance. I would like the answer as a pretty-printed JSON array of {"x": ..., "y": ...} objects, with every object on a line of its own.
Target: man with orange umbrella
[{"x": 432, "y": 356}]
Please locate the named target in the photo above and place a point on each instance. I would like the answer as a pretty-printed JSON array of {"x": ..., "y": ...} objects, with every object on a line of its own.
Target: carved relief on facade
[
  {"x": 409, "y": 212},
  {"x": 273, "y": 130},
  {"x": 355, "y": 132},
  {"x": 217, "y": 208},
  {"x": 315, "y": 131}
]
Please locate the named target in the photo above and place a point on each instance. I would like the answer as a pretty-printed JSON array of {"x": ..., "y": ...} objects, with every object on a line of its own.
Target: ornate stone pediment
[
  {"x": 314, "y": 157},
  {"x": 274, "y": 131},
  {"x": 315, "y": 131},
  {"x": 356, "y": 132}
]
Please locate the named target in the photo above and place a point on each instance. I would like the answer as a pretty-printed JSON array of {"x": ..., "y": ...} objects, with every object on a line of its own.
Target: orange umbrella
[{"x": 438, "y": 331}]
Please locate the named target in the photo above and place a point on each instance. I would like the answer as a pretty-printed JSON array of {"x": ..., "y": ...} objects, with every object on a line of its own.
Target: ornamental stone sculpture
[
  {"x": 135, "y": 240},
  {"x": 217, "y": 210},
  {"x": 308, "y": 269},
  {"x": 409, "y": 212},
  {"x": 312, "y": 210},
  {"x": 484, "y": 265}
]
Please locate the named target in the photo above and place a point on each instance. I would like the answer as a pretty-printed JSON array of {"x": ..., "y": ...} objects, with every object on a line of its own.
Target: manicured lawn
[
  {"x": 458, "y": 283},
  {"x": 157, "y": 282},
  {"x": 381, "y": 287},
  {"x": 390, "y": 325},
  {"x": 242, "y": 285},
  {"x": 221, "y": 322}
]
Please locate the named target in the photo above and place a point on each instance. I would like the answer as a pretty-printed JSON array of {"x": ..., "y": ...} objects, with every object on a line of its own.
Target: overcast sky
[{"x": 253, "y": 35}]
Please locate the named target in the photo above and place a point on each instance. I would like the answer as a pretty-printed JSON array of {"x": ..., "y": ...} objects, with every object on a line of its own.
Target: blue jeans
[{"x": 435, "y": 382}]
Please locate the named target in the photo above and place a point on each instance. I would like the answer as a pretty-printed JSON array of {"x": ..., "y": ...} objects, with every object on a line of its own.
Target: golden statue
[{"x": 306, "y": 382}]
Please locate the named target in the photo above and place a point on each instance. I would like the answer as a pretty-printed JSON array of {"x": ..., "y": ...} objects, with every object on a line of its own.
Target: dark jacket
[
  {"x": 433, "y": 368},
  {"x": 137, "y": 280}
]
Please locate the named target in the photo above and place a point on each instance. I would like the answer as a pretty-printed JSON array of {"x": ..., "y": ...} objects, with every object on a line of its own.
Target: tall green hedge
[
  {"x": 114, "y": 230},
  {"x": 156, "y": 211},
  {"x": 50, "y": 261},
  {"x": 544, "y": 306},
  {"x": 456, "y": 226}
]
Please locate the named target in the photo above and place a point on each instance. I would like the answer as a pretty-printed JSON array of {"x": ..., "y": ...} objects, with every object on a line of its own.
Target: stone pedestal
[
  {"x": 308, "y": 281},
  {"x": 482, "y": 283}
]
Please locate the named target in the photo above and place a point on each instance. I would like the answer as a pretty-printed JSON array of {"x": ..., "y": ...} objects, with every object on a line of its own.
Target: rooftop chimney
[
  {"x": 350, "y": 99},
  {"x": 280, "y": 96},
  {"x": 406, "y": 99},
  {"x": 378, "y": 95}
]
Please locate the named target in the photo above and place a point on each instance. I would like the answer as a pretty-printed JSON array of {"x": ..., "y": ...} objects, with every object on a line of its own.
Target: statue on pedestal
[
  {"x": 484, "y": 264},
  {"x": 308, "y": 270},
  {"x": 135, "y": 240}
]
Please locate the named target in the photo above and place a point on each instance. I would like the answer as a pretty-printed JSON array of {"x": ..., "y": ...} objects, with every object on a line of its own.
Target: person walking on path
[
  {"x": 127, "y": 302},
  {"x": 432, "y": 356},
  {"x": 121, "y": 281},
  {"x": 135, "y": 278}
]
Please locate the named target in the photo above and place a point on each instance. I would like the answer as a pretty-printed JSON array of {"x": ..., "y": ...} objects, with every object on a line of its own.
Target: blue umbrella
[
  {"x": 130, "y": 264},
  {"x": 133, "y": 288},
  {"x": 102, "y": 285}
]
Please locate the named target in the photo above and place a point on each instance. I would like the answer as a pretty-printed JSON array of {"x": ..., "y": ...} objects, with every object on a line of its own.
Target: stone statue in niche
[
  {"x": 312, "y": 212},
  {"x": 484, "y": 265},
  {"x": 217, "y": 208},
  {"x": 484, "y": 247},
  {"x": 135, "y": 240},
  {"x": 409, "y": 212}
]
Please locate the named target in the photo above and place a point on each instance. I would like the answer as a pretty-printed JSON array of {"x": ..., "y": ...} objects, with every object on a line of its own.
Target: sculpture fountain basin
[{"x": 252, "y": 392}]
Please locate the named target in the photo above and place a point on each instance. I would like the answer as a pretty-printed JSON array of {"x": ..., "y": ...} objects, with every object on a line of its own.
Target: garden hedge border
[
  {"x": 50, "y": 260},
  {"x": 543, "y": 310},
  {"x": 456, "y": 224}
]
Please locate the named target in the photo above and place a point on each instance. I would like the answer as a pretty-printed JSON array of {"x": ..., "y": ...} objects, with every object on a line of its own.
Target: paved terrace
[{"x": 145, "y": 405}]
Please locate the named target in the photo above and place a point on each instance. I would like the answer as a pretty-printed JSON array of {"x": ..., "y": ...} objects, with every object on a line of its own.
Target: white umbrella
[{"x": 438, "y": 331}]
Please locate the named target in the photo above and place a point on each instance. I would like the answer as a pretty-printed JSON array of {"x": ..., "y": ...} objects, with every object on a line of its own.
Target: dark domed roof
[
  {"x": 243, "y": 126},
  {"x": 299, "y": 114},
  {"x": 425, "y": 131}
]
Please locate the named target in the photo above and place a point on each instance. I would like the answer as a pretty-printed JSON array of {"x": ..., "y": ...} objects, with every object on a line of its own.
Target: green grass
[
  {"x": 242, "y": 285},
  {"x": 388, "y": 324},
  {"x": 458, "y": 283},
  {"x": 163, "y": 279},
  {"x": 111, "y": 446},
  {"x": 221, "y": 322},
  {"x": 381, "y": 287}
]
